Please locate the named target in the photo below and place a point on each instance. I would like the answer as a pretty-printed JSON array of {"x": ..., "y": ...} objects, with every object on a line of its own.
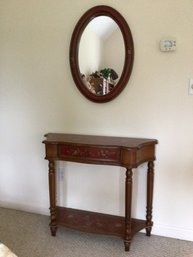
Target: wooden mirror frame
[{"x": 101, "y": 10}]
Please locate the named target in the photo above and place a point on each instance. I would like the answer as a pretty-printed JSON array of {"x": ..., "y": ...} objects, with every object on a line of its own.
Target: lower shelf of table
[{"x": 96, "y": 222}]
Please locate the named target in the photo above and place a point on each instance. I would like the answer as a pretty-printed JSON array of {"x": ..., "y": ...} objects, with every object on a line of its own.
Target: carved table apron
[{"x": 118, "y": 151}]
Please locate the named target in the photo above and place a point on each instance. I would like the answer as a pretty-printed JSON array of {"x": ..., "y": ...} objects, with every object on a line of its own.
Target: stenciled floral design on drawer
[{"x": 89, "y": 152}]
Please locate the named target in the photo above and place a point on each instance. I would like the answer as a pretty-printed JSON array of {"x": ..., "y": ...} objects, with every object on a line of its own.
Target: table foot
[
  {"x": 148, "y": 231},
  {"x": 53, "y": 230},
  {"x": 127, "y": 246}
]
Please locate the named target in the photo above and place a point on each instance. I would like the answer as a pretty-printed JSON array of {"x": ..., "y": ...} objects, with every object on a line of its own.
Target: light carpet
[{"x": 28, "y": 235}]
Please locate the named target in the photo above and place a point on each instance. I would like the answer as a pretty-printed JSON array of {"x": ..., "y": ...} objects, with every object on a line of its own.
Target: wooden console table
[{"x": 118, "y": 151}]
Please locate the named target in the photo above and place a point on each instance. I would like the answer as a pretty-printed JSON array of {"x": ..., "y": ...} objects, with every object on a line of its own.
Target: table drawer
[{"x": 93, "y": 153}]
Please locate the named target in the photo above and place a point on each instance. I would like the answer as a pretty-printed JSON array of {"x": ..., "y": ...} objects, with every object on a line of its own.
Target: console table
[{"x": 103, "y": 150}]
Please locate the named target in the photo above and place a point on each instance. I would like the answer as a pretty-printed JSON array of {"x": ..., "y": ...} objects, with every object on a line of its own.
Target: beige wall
[{"x": 38, "y": 95}]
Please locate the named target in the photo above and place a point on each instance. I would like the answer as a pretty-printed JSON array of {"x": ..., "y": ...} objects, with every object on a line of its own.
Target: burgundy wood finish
[
  {"x": 52, "y": 191},
  {"x": 119, "y": 151},
  {"x": 92, "y": 153},
  {"x": 128, "y": 203},
  {"x": 150, "y": 180},
  {"x": 94, "y": 222},
  {"x": 96, "y": 11}
]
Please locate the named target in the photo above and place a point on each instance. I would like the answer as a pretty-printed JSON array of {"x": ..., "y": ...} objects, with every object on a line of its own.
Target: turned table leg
[
  {"x": 150, "y": 180},
  {"x": 128, "y": 202},
  {"x": 52, "y": 191}
]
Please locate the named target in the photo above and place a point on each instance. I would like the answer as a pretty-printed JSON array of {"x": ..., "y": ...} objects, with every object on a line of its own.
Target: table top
[{"x": 57, "y": 138}]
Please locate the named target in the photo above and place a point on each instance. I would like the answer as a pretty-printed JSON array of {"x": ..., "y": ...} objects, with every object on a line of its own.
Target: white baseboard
[
  {"x": 25, "y": 207},
  {"x": 173, "y": 232}
]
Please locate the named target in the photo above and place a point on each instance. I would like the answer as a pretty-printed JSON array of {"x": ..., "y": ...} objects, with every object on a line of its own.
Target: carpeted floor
[{"x": 28, "y": 235}]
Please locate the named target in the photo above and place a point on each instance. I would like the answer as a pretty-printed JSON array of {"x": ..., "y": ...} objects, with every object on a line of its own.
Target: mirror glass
[
  {"x": 100, "y": 69},
  {"x": 101, "y": 54}
]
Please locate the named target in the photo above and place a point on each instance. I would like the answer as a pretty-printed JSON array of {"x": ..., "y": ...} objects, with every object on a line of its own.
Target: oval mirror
[{"x": 101, "y": 54}]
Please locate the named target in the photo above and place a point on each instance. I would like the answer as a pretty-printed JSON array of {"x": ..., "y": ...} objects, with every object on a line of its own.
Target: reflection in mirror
[{"x": 101, "y": 55}]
